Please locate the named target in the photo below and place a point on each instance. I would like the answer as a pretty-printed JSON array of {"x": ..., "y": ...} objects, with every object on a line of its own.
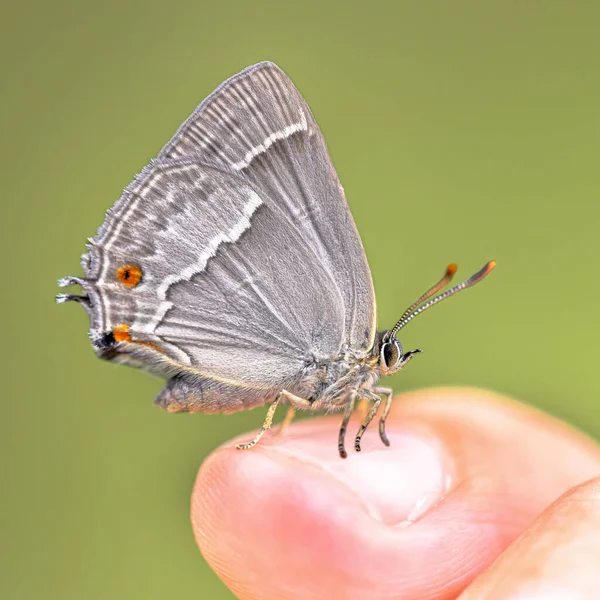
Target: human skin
[{"x": 478, "y": 497}]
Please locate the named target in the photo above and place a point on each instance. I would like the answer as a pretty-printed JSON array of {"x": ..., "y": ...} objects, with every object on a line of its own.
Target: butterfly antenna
[
  {"x": 411, "y": 312},
  {"x": 434, "y": 289}
]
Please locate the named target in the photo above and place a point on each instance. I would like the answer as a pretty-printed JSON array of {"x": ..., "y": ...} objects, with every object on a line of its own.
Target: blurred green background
[{"x": 462, "y": 131}]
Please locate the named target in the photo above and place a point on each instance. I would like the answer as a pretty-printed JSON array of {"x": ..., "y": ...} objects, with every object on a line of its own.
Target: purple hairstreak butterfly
[{"x": 231, "y": 266}]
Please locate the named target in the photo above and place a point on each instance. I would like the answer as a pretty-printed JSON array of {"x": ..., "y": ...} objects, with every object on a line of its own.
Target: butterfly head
[{"x": 390, "y": 354}]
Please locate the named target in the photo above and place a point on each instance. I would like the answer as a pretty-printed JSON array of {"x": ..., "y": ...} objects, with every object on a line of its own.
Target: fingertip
[
  {"x": 291, "y": 506},
  {"x": 465, "y": 474}
]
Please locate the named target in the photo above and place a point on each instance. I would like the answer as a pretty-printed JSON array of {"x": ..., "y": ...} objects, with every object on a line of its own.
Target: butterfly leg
[
  {"x": 367, "y": 396},
  {"x": 289, "y": 415},
  {"x": 362, "y": 409},
  {"x": 389, "y": 395},
  {"x": 295, "y": 401},
  {"x": 347, "y": 414},
  {"x": 266, "y": 425}
]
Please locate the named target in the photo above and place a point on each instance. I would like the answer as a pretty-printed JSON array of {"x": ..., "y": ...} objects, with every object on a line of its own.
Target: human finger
[
  {"x": 556, "y": 558},
  {"x": 466, "y": 473}
]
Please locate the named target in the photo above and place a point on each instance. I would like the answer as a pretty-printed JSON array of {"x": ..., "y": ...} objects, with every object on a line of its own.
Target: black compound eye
[{"x": 390, "y": 354}]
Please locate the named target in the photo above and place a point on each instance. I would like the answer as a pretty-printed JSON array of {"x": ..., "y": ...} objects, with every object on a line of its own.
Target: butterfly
[{"x": 232, "y": 267}]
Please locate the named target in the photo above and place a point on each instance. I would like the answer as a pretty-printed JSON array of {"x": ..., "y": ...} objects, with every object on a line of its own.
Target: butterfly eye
[{"x": 390, "y": 354}]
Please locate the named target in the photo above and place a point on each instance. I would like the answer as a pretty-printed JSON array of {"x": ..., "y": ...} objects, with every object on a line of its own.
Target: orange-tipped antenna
[
  {"x": 411, "y": 313},
  {"x": 442, "y": 283}
]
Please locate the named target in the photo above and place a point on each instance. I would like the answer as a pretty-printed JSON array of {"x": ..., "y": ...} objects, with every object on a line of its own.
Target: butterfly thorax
[{"x": 334, "y": 380}]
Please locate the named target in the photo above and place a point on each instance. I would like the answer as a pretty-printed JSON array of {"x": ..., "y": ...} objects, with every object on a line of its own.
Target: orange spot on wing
[
  {"x": 121, "y": 333},
  {"x": 129, "y": 275}
]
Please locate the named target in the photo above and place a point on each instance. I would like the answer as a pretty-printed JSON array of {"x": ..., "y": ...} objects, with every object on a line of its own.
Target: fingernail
[{"x": 397, "y": 484}]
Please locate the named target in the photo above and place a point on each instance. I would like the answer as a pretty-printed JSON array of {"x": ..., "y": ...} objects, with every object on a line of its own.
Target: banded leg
[
  {"x": 389, "y": 393},
  {"x": 362, "y": 409},
  {"x": 266, "y": 425},
  {"x": 347, "y": 414},
  {"x": 295, "y": 401},
  {"x": 368, "y": 396},
  {"x": 289, "y": 415}
]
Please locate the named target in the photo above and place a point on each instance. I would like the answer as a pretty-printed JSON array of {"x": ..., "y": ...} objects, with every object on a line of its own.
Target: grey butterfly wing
[
  {"x": 244, "y": 278},
  {"x": 257, "y": 124}
]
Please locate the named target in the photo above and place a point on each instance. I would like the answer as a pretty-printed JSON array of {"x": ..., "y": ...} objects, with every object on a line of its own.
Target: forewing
[{"x": 258, "y": 125}]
